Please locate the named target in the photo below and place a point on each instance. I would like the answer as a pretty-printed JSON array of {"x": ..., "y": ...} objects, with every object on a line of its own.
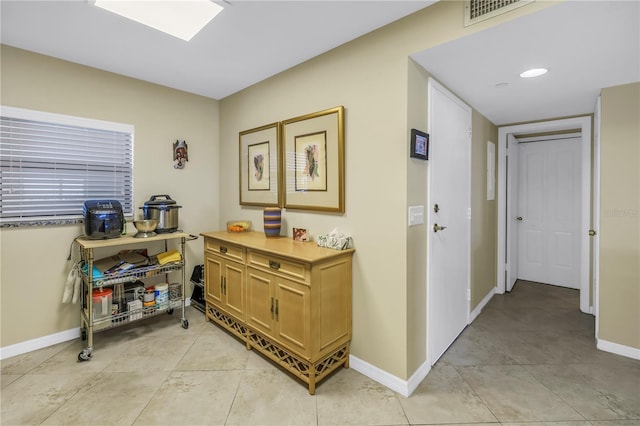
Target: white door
[
  {"x": 549, "y": 200},
  {"x": 512, "y": 222},
  {"x": 449, "y": 223}
]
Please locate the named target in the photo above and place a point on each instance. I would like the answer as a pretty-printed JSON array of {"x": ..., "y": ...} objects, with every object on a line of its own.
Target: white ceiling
[
  {"x": 247, "y": 42},
  {"x": 587, "y": 45}
]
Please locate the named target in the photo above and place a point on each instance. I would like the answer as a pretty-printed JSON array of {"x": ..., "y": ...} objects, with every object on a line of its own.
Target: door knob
[
  {"x": 519, "y": 218},
  {"x": 437, "y": 228}
]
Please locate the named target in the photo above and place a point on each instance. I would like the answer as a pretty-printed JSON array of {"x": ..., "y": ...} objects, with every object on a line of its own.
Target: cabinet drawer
[
  {"x": 278, "y": 264},
  {"x": 225, "y": 249}
]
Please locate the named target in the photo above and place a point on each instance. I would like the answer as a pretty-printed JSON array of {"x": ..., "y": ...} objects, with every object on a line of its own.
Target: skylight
[{"x": 182, "y": 19}]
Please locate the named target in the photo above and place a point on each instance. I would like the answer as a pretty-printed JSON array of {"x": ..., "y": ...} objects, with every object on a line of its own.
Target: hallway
[{"x": 530, "y": 356}]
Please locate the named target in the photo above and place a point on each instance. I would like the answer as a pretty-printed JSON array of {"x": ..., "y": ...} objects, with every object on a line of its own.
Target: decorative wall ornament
[{"x": 180, "y": 154}]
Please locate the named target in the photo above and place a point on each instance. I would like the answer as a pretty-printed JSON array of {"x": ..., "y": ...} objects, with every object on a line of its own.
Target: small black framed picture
[{"x": 419, "y": 144}]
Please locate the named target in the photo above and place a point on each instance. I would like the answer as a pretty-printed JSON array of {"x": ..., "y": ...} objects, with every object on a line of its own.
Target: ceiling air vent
[{"x": 478, "y": 10}]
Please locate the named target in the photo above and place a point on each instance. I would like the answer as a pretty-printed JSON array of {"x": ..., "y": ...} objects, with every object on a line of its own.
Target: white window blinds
[{"x": 50, "y": 164}]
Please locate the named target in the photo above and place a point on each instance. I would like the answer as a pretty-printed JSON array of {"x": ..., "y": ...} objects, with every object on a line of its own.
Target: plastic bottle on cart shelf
[
  {"x": 162, "y": 296},
  {"x": 149, "y": 300},
  {"x": 102, "y": 309}
]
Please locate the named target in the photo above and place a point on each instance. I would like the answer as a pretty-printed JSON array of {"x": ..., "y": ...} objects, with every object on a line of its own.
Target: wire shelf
[
  {"x": 134, "y": 274},
  {"x": 127, "y": 317}
]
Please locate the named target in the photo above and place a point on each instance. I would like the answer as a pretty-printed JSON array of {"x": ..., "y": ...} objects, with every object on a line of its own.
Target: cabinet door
[
  {"x": 293, "y": 315},
  {"x": 260, "y": 301},
  {"x": 233, "y": 289},
  {"x": 213, "y": 269}
]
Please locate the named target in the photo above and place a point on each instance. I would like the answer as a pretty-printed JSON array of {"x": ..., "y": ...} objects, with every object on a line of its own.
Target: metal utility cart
[{"x": 89, "y": 283}]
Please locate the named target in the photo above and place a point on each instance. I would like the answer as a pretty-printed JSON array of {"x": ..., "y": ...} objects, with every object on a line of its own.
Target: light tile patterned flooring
[{"x": 529, "y": 357}]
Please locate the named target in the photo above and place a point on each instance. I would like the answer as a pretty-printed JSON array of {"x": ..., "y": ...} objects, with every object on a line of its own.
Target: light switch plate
[{"x": 416, "y": 215}]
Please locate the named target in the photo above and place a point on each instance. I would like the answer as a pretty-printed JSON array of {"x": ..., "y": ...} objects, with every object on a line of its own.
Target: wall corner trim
[
  {"x": 403, "y": 387},
  {"x": 476, "y": 311}
]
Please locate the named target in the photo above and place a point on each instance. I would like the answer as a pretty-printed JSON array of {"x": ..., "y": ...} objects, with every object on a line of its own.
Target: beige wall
[
  {"x": 483, "y": 212},
  {"x": 33, "y": 260},
  {"x": 417, "y": 173},
  {"x": 619, "y": 278},
  {"x": 372, "y": 88}
]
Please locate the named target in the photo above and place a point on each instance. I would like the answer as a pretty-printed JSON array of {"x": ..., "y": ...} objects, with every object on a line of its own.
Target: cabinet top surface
[
  {"x": 127, "y": 239},
  {"x": 283, "y": 246}
]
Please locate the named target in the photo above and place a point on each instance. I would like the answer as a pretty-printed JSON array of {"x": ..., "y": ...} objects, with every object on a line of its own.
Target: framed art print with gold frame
[
  {"x": 313, "y": 160},
  {"x": 260, "y": 166}
]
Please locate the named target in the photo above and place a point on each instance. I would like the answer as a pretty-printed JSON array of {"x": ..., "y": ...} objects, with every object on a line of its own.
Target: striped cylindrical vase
[{"x": 272, "y": 221}]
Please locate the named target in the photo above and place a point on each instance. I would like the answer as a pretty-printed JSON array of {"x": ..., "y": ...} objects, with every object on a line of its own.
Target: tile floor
[{"x": 529, "y": 358}]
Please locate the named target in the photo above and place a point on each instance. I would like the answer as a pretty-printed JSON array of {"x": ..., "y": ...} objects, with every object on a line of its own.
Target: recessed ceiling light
[
  {"x": 534, "y": 72},
  {"x": 182, "y": 19}
]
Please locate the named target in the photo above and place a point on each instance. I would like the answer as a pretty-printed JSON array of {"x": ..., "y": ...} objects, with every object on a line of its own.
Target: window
[{"x": 50, "y": 164}]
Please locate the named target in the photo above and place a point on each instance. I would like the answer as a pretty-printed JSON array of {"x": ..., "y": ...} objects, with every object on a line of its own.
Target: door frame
[
  {"x": 511, "y": 191},
  {"x": 595, "y": 279},
  {"x": 505, "y": 209},
  {"x": 432, "y": 85}
]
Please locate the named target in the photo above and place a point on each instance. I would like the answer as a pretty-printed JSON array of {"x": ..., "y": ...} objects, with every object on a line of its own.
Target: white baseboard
[
  {"x": 45, "y": 341},
  {"x": 618, "y": 349},
  {"x": 39, "y": 343},
  {"x": 474, "y": 314},
  {"x": 403, "y": 387}
]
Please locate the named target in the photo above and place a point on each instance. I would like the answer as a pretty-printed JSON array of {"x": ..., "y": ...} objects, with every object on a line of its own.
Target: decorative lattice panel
[
  {"x": 333, "y": 361},
  {"x": 227, "y": 322},
  {"x": 296, "y": 365},
  {"x": 305, "y": 370}
]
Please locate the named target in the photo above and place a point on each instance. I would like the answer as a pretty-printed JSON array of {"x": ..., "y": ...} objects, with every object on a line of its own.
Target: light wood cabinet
[
  {"x": 291, "y": 300},
  {"x": 227, "y": 284},
  {"x": 224, "y": 281},
  {"x": 279, "y": 308}
]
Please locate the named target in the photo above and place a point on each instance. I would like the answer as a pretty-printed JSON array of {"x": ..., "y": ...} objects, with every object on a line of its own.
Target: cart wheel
[
  {"x": 83, "y": 334},
  {"x": 185, "y": 323},
  {"x": 83, "y": 357},
  {"x": 170, "y": 311}
]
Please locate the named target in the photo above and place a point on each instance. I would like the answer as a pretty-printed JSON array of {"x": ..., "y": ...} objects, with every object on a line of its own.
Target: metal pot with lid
[{"x": 163, "y": 209}]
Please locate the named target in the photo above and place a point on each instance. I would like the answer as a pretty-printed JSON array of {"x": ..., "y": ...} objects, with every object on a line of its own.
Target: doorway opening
[{"x": 508, "y": 218}]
